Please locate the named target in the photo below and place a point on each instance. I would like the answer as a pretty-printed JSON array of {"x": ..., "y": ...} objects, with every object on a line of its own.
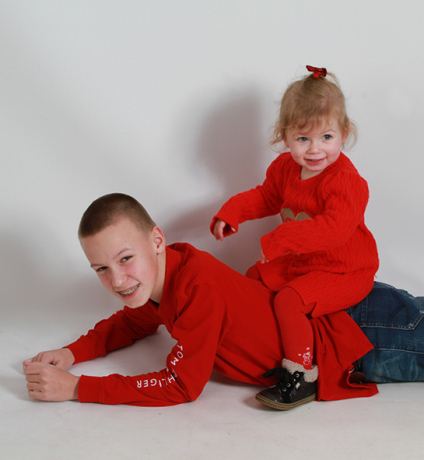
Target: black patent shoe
[{"x": 291, "y": 390}]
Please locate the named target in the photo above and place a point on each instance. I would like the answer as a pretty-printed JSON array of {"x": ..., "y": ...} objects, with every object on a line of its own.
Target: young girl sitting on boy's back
[{"x": 322, "y": 258}]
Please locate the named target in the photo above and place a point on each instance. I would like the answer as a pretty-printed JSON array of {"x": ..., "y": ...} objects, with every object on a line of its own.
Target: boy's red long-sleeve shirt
[
  {"x": 323, "y": 248},
  {"x": 221, "y": 320}
]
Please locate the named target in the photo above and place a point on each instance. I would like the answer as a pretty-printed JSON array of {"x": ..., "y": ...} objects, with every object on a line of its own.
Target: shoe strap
[{"x": 285, "y": 378}]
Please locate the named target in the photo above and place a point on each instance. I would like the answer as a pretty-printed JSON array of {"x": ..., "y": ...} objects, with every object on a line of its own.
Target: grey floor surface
[{"x": 224, "y": 423}]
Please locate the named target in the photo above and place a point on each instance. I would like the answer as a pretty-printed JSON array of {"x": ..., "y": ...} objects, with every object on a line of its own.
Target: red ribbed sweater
[{"x": 323, "y": 248}]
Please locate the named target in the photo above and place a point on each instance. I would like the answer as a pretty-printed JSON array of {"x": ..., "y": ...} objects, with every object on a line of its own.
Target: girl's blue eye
[
  {"x": 125, "y": 259},
  {"x": 327, "y": 137},
  {"x": 303, "y": 139},
  {"x": 100, "y": 269}
]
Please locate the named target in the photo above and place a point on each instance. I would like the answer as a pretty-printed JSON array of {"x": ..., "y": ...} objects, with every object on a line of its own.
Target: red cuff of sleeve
[
  {"x": 89, "y": 389},
  {"x": 80, "y": 350}
]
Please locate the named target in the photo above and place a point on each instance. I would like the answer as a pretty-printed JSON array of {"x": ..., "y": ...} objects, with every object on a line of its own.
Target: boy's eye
[
  {"x": 327, "y": 137},
  {"x": 125, "y": 259},
  {"x": 101, "y": 269},
  {"x": 302, "y": 139}
]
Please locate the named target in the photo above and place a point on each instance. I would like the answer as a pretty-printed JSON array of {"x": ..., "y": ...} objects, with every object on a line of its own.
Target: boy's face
[
  {"x": 129, "y": 262},
  {"x": 316, "y": 149}
]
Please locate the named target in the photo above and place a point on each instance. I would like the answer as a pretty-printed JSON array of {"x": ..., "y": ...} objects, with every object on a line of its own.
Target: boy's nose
[{"x": 117, "y": 278}]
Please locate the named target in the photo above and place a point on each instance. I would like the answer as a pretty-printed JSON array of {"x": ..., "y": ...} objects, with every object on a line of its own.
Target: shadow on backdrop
[
  {"x": 231, "y": 146},
  {"x": 41, "y": 288}
]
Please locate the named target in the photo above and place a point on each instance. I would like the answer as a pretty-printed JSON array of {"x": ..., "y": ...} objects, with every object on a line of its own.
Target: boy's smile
[
  {"x": 129, "y": 292},
  {"x": 129, "y": 262},
  {"x": 315, "y": 150}
]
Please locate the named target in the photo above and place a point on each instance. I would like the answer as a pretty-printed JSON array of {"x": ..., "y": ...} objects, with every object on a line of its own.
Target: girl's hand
[
  {"x": 263, "y": 259},
  {"x": 218, "y": 229}
]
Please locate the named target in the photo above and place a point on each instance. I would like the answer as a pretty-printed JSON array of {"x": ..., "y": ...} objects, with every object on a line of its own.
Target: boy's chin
[{"x": 136, "y": 302}]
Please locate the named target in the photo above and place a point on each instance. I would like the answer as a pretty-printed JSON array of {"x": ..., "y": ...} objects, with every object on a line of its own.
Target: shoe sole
[{"x": 282, "y": 406}]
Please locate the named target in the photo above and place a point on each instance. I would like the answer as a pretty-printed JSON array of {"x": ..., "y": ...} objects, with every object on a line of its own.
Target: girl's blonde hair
[{"x": 310, "y": 102}]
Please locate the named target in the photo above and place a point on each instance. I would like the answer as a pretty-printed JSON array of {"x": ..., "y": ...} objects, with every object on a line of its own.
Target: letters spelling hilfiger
[{"x": 170, "y": 379}]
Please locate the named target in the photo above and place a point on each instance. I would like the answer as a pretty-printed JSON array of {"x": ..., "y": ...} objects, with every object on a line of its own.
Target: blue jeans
[{"x": 392, "y": 320}]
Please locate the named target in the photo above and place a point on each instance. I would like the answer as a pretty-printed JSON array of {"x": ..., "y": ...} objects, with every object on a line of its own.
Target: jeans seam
[
  {"x": 409, "y": 327},
  {"x": 397, "y": 349}
]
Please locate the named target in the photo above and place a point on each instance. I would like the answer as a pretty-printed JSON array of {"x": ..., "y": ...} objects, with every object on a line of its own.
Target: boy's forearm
[{"x": 118, "y": 331}]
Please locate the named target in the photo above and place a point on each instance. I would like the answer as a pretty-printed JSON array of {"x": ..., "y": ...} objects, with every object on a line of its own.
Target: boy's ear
[{"x": 159, "y": 239}]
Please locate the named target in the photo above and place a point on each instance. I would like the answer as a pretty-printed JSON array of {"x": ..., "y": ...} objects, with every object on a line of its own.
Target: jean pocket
[{"x": 389, "y": 308}]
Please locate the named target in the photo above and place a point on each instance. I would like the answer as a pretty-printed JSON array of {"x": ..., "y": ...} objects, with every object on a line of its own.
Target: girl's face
[{"x": 316, "y": 149}]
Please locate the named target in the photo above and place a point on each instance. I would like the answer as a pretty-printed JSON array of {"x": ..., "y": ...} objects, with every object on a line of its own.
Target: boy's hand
[
  {"x": 62, "y": 358},
  {"x": 218, "y": 229},
  {"x": 50, "y": 383}
]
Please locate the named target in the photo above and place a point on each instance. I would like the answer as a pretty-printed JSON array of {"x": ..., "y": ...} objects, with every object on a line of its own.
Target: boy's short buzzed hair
[{"x": 108, "y": 209}]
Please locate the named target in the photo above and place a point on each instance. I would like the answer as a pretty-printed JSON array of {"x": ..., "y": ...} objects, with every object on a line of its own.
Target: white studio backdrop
[{"x": 172, "y": 102}]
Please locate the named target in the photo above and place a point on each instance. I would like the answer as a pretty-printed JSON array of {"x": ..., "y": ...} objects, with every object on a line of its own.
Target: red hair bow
[{"x": 317, "y": 72}]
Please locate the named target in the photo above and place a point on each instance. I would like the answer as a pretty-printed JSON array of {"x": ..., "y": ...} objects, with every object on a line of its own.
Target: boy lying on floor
[{"x": 220, "y": 319}]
